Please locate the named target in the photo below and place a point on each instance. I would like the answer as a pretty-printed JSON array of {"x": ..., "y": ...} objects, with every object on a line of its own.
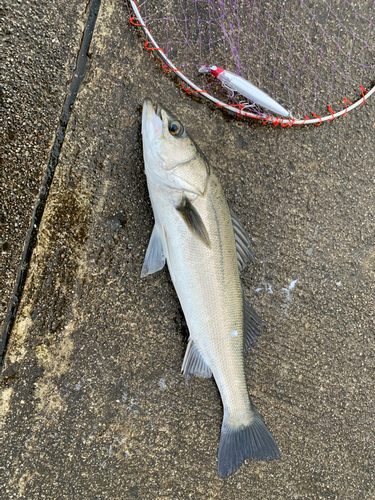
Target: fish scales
[
  {"x": 208, "y": 286},
  {"x": 194, "y": 234}
]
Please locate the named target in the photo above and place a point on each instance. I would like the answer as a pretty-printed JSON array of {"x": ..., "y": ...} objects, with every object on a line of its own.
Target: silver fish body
[{"x": 204, "y": 245}]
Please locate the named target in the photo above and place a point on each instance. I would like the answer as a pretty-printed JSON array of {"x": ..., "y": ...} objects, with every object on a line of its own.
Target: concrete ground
[
  {"x": 93, "y": 404},
  {"x": 39, "y": 49}
]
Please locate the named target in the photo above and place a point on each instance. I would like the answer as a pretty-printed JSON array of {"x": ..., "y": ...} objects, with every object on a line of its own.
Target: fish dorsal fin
[
  {"x": 193, "y": 363},
  {"x": 155, "y": 258},
  {"x": 252, "y": 326},
  {"x": 245, "y": 253},
  {"x": 193, "y": 220}
]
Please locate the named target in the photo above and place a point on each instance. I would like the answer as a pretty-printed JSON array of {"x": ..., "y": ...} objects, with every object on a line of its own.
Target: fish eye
[{"x": 176, "y": 128}]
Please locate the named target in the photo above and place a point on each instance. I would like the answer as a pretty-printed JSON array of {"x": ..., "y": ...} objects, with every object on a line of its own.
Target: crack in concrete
[{"x": 77, "y": 78}]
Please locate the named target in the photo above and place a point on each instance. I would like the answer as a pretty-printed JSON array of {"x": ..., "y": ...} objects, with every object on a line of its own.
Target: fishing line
[{"x": 315, "y": 58}]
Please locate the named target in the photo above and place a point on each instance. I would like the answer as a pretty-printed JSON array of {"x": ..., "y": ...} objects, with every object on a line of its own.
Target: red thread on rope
[
  {"x": 276, "y": 121},
  {"x": 346, "y": 106},
  {"x": 289, "y": 123},
  {"x": 245, "y": 113},
  {"x": 193, "y": 91},
  {"x": 363, "y": 95},
  {"x": 165, "y": 66},
  {"x": 153, "y": 48},
  {"x": 320, "y": 119},
  {"x": 138, "y": 24},
  {"x": 226, "y": 105},
  {"x": 240, "y": 108},
  {"x": 304, "y": 121},
  {"x": 332, "y": 113},
  {"x": 265, "y": 119}
]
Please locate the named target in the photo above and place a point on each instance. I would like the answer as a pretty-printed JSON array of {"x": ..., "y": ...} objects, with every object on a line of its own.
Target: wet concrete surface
[
  {"x": 93, "y": 404},
  {"x": 39, "y": 47}
]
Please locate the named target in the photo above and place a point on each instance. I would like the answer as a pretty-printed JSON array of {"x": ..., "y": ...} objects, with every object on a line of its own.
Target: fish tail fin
[{"x": 253, "y": 441}]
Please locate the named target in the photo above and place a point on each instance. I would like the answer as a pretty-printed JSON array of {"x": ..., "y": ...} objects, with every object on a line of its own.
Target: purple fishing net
[{"x": 305, "y": 54}]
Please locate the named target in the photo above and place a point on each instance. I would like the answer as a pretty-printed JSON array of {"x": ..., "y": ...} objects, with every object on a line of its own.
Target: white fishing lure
[{"x": 238, "y": 84}]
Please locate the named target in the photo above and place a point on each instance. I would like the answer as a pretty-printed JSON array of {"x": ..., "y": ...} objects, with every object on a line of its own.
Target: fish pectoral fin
[
  {"x": 155, "y": 258},
  {"x": 245, "y": 253},
  {"x": 193, "y": 363},
  {"x": 252, "y": 326},
  {"x": 193, "y": 220}
]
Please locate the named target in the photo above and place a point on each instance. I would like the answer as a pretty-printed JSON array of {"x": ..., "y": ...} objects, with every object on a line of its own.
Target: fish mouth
[
  {"x": 157, "y": 109},
  {"x": 152, "y": 125}
]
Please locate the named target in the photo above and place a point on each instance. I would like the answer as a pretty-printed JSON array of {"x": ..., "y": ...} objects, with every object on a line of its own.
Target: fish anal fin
[
  {"x": 245, "y": 253},
  {"x": 252, "y": 326},
  {"x": 155, "y": 258},
  {"x": 193, "y": 220},
  {"x": 193, "y": 363}
]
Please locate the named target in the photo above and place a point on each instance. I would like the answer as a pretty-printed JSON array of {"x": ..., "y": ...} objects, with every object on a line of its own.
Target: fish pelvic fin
[
  {"x": 253, "y": 441},
  {"x": 252, "y": 326},
  {"x": 155, "y": 258},
  {"x": 193, "y": 221},
  {"x": 193, "y": 363}
]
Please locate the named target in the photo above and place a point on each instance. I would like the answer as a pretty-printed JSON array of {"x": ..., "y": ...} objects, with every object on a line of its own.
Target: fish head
[{"x": 172, "y": 159}]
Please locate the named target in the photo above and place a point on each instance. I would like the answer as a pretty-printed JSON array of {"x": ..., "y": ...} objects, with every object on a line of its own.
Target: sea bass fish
[{"x": 204, "y": 246}]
